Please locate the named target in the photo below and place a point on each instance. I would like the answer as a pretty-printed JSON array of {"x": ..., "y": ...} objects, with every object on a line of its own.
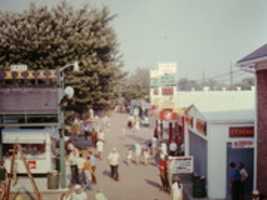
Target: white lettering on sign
[
  {"x": 19, "y": 67},
  {"x": 181, "y": 164}
]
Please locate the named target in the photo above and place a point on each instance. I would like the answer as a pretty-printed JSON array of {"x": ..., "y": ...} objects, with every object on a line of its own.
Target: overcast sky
[{"x": 199, "y": 35}]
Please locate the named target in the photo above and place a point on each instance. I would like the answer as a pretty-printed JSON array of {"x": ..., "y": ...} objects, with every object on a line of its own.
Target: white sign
[
  {"x": 18, "y": 67},
  {"x": 181, "y": 164},
  {"x": 243, "y": 144},
  {"x": 167, "y": 68}
]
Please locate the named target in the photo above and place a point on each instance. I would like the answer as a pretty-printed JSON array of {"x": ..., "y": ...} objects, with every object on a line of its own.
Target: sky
[{"x": 201, "y": 36}]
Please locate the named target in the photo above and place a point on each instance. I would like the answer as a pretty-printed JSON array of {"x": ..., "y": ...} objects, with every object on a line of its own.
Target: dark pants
[
  {"x": 74, "y": 174},
  {"x": 165, "y": 181},
  {"x": 114, "y": 172},
  {"x": 235, "y": 189}
]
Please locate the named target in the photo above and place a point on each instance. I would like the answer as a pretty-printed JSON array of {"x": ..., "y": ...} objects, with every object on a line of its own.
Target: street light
[{"x": 61, "y": 94}]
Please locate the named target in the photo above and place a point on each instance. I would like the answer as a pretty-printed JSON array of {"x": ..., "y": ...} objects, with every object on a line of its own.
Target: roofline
[
  {"x": 231, "y": 121},
  {"x": 251, "y": 63}
]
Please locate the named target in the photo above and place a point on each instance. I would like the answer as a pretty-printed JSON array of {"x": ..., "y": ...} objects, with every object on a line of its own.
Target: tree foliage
[
  {"x": 46, "y": 38},
  {"x": 136, "y": 85}
]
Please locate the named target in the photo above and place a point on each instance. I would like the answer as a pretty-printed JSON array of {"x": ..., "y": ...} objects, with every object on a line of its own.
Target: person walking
[
  {"x": 129, "y": 156},
  {"x": 93, "y": 164},
  {"x": 87, "y": 170},
  {"x": 73, "y": 161},
  {"x": 100, "y": 148},
  {"x": 163, "y": 171},
  {"x": 81, "y": 162},
  {"x": 114, "y": 159},
  {"x": 235, "y": 179},
  {"x": 243, "y": 179},
  {"x": 138, "y": 152},
  {"x": 146, "y": 155}
]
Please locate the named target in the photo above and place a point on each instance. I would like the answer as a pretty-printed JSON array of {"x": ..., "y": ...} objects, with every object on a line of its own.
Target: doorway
[{"x": 246, "y": 156}]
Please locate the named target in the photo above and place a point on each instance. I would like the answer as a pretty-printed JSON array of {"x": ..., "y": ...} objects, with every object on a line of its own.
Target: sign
[
  {"x": 241, "y": 131},
  {"x": 245, "y": 144},
  {"x": 201, "y": 126},
  {"x": 167, "y": 115},
  {"x": 168, "y": 80},
  {"x": 181, "y": 164},
  {"x": 167, "y": 91},
  {"x": 18, "y": 68},
  {"x": 167, "y": 68},
  {"x": 32, "y": 164}
]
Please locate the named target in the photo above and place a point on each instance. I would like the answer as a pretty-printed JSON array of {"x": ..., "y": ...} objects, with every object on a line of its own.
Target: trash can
[
  {"x": 53, "y": 180},
  {"x": 199, "y": 187}
]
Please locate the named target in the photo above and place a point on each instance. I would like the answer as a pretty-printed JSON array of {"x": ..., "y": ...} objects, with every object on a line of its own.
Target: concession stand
[
  {"x": 217, "y": 138},
  {"x": 169, "y": 127}
]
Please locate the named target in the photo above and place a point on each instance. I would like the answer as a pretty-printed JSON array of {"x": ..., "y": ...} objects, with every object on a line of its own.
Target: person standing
[
  {"x": 235, "y": 179},
  {"x": 3, "y": 172},
  {"x": 177, "y": 189},
  {"x": 243, "y": 179},
  {"x": 73, "y": 161},
  {"x": 87, "y": 169},
  {"x": 114, "y": 159},
  {"x": 99, "y": 148},
  {"x": 173, "y": 148},
  {"x": 146, "y": 155}
]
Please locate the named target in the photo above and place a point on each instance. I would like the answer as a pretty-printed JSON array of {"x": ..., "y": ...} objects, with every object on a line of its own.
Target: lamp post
[{"x": 61, "y": 86}]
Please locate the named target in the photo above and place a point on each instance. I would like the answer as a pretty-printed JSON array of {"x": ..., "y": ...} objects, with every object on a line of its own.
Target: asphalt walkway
[{"x": 136, "y": 181}]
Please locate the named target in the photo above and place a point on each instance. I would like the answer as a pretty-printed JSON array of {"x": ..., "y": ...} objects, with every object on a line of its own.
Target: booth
[
  {"x": 217, "y": 138},
  {"x": 169, "y": 127}
]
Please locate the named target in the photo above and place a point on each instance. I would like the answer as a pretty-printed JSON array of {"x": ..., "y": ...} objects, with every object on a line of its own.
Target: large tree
[
  {"x": 136, "y": 85},
  {"x": 46, "y": 38}
]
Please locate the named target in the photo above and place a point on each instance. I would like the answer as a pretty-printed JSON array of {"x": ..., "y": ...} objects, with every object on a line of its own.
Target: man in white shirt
[{"x": 114, "y": 159}]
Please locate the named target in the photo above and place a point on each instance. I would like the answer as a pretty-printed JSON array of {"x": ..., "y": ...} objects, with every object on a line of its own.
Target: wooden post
[
  {"x": 35, "y": 188},
  {"x": 10, "y": 176}
]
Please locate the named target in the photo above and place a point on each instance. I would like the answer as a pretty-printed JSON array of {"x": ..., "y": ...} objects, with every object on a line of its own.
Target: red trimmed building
[{"x": 257, "y": 62}]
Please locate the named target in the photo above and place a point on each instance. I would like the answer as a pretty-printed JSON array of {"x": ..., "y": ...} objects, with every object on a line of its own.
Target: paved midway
[{"x": 136, "y": 181}]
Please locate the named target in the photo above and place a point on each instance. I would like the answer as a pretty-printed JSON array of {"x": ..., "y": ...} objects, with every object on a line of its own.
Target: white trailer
[{"x": 38, "y": 146}]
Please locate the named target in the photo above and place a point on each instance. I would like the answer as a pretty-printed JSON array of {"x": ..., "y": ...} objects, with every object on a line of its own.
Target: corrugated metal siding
[{"x": 28, "y": 100}]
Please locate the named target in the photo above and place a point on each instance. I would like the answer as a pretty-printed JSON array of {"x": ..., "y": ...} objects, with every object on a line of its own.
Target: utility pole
[{"x": 231, "y": 76}]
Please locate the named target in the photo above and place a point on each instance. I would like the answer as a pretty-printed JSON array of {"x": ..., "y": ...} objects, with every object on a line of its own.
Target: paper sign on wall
[{"x": 181, "y": 164}]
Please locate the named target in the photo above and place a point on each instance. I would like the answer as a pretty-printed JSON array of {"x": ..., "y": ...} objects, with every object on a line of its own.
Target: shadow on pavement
[{"x": 153, "y": 183}]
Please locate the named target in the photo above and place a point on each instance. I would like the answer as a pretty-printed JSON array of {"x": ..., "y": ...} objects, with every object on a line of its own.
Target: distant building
[{"x": 257, "y": 62}]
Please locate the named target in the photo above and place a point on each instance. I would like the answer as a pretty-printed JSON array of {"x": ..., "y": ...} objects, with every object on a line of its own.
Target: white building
[{"x": 219, "y": 129}]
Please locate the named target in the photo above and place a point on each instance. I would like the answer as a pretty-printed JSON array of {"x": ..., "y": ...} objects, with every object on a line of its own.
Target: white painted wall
[
  {"x": 218, "y": 137},
  {"x": 217, "y": 152}
]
